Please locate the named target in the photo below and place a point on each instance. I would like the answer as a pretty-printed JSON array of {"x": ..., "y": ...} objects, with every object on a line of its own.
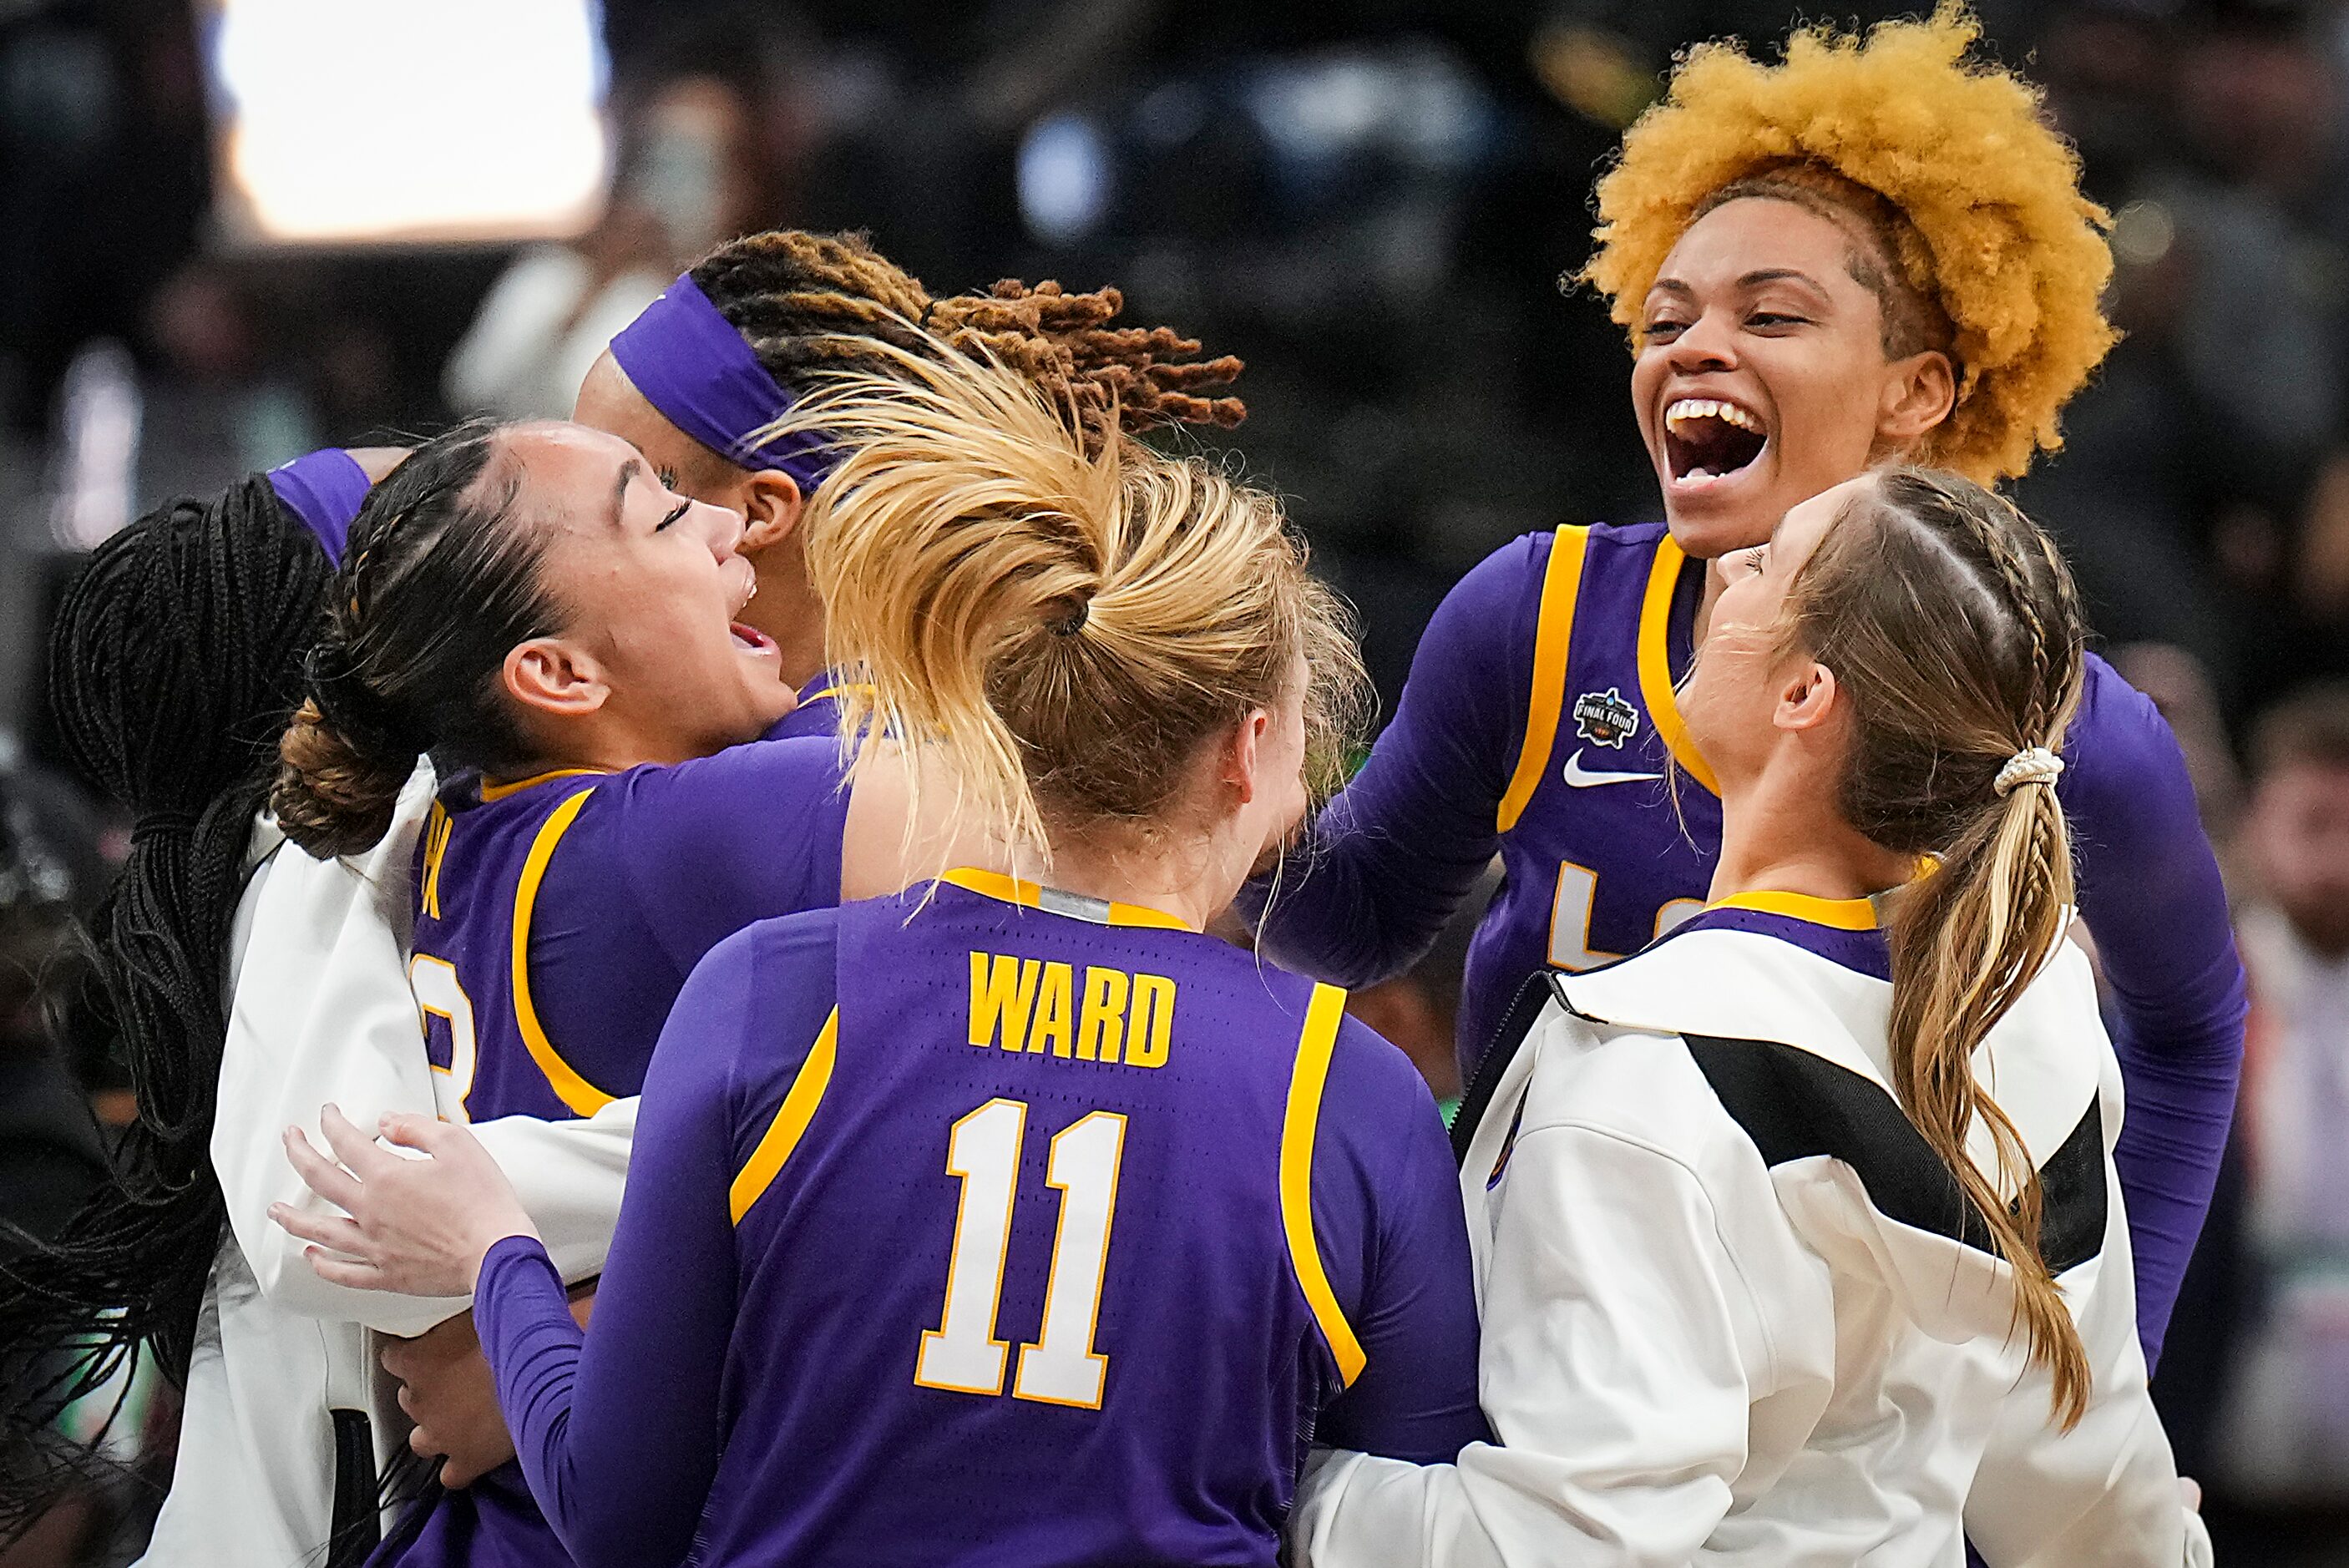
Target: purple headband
[{"x": 690, "y": 363}]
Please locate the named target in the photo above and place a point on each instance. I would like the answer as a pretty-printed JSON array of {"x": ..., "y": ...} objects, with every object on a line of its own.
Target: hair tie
[
  {"x": 2032, "y": 764},
  {"x": 1075, "y": 623}
]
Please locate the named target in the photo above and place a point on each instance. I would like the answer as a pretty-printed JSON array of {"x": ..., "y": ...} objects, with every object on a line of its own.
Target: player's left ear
[
  {"x": 1807, "y": 699},
  {"x": 772, "y": 505},
  {"x": 1242, "y": 753},
  {"x": 1918, "y": 392},
  {"x": 557, "y": 679}
]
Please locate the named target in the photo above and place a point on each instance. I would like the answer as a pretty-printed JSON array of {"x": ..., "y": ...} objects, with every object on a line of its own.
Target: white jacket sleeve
[
  {"x": 1621, "y": 1350},
  {"x": 2104, "y": 1494},
  {"x": 322, "y": 1014}
]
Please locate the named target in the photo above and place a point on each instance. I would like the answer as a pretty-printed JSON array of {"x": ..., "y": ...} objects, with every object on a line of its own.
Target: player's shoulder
[
  {"x": 2114, "y": 715},
  {"x": 1498, "y": 605},
  {"x": 786, "y": 945},
  {"x": 1372, "y": 1091},
  {"x": 763, "y": 993},
  {"x": 791, "y": 764},
  {"x": 2119, "y": 739},
  {"x": 1529, "y": 554}
]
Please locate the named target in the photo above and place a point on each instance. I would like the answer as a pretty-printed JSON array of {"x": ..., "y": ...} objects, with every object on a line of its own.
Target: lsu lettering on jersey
[
  {"x": 557, "y": 918},
  {"x": 996, "y": 1227}
]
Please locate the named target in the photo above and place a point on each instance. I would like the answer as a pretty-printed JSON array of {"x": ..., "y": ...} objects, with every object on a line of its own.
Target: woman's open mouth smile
[{"x": 1708, "y": 441}]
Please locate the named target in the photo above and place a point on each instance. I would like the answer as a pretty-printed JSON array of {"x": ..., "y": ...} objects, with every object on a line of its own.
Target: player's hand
[
  {"x": 377, "y": 463},
  {"x": 447, "y": 1389},
  {"x": 416, "y": 1226}
]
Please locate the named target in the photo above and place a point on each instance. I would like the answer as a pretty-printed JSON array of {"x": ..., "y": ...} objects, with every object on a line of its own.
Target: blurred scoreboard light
[{"x": 372, "y": 121}]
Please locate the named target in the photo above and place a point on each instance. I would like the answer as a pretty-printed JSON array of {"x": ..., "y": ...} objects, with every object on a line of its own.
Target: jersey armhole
[{"x": 1323, "y": 1014}]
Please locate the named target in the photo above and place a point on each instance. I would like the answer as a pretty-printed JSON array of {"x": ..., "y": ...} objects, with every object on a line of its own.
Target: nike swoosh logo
[{"x": 1581, "y": 778}]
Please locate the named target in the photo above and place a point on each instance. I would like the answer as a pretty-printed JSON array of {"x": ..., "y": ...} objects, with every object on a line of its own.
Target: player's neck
[
  {"x": 1185, "y": 879},
  {"x": 1781, "y": 833},
  {"x": 788, "y": 611},
  {"x": 610, "y": 742}
]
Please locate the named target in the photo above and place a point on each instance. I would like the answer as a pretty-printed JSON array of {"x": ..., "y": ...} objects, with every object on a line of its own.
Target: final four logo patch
[{"x": 1604, "y": 718}]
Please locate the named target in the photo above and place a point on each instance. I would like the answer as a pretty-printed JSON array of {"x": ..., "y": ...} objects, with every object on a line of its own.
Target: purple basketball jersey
[
  {"x": 1611, "y": 825},
  {"x": 1002, "y": 1227},
  {"x": 480, "y": 868},
  {"x": 1073, "y": 1281},
  {"x": 557, "y": 918}
]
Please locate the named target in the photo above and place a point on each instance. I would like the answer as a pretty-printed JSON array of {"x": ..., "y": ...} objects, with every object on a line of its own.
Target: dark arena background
[{"x": 236, "y": 231}]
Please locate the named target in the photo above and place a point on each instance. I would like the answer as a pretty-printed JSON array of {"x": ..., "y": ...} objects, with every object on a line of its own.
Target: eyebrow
[
  {"x": 628, "y": 473},
  {"x": 1750, "y": 280},
  {"x": 1777, "y": 275}
]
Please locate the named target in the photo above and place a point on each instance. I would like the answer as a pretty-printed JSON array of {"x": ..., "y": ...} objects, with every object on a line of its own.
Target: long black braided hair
[{"x": 174, "y": 661}]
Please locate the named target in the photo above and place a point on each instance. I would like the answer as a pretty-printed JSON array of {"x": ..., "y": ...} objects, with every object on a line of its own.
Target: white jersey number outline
[
  {"x": 440, "y": 994},
  {"x": 963, "y": 1354}
]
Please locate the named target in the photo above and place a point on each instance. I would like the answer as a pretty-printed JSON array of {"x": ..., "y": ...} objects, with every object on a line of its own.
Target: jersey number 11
[{"x": 962, "y": 1353}]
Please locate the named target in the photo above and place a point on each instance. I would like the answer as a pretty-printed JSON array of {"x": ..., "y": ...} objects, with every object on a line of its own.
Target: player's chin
[{"x": 1710, "y": 522}]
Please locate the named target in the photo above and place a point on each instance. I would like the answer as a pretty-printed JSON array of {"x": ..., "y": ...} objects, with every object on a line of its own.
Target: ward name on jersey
[{"x": 996, "y": 1225}]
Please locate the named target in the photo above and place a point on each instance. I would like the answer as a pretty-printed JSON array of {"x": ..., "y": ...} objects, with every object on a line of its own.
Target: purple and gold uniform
[
  {"x": 1539, "y": 723},
  {"x": 557, "y": 918},
  {"x": 817, "y": 713},
  {"x": 1009, "y": 1227}
]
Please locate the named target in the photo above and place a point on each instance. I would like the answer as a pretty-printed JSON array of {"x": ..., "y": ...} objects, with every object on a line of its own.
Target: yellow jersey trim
[
  {"x": 1033, "y": 895},
  {"x": 1656, "y": 667},
  {"x": 1842, "y": 914},
  {"x": 500, "y": 792},
  {"x": 1312, "y": 1071},
  {"x": 791, "y": 1118},
  {"x": 583, "y": 1098},
  {"x": 1553, "y": 641},
  {"x": 438, "y": 826}
]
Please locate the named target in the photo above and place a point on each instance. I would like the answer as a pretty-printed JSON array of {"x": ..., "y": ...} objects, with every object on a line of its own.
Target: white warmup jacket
[
  {"x": 322, "y": 1014},
  {"x": 1729, "y": 1314}
]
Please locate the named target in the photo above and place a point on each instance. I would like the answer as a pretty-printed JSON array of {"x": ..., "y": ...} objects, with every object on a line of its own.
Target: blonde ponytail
[
  {"x": 1966, "y": 940},
  {"x": 1952, "y": 758},
  {"x": 1064, "y": 627}
]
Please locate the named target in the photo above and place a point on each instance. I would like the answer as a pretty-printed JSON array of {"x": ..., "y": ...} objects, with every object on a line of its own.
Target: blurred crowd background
[{"x": 1371, "y": 203}]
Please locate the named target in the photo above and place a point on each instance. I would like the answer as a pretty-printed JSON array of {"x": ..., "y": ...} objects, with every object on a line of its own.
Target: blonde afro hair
[{"x": 1989, "y": 227}]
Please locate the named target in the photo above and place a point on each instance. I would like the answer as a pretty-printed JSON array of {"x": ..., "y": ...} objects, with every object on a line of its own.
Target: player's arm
[
  {"x": 2151, "y": 895},
  {"x": 619, "y": 1439},
  {"x": 1388, "y": 861},
  {"x": 716, "y": 843},
  {"x": 1622, "y": 1344},
  {"x": 1387, "y": 1215}
]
